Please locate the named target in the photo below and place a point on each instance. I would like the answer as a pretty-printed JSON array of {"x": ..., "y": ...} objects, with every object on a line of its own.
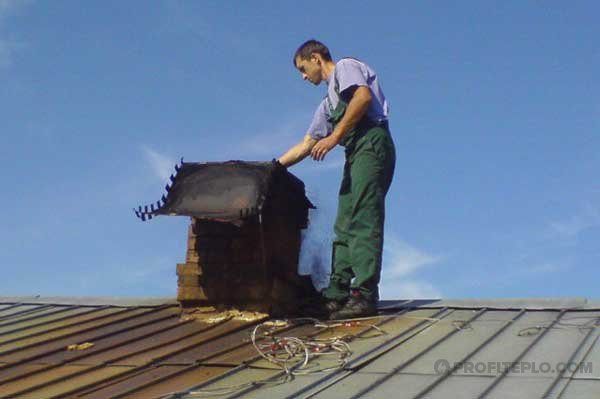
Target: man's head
[{"x": 310, "y": 59}]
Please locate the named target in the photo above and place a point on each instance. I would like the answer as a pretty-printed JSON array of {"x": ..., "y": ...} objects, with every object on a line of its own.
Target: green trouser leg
[{"x": 358, "y": 246}]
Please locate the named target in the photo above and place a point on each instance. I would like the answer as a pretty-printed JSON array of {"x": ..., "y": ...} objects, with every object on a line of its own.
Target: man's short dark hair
[{"x": 309, "y": 47}]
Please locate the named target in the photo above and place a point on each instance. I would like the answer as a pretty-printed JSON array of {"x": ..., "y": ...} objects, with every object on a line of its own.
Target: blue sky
[{"x": 495, "y": 113}]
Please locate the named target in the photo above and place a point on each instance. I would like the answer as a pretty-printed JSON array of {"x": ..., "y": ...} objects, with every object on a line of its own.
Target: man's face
[{"x": 310, "y": 69}]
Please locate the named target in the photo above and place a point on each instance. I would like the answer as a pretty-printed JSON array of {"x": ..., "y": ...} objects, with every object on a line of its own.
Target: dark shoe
[
  {"x": 333, "y": 305},
  {"x": 357, "y": 306},
  {"x": 322, "y": 308}
]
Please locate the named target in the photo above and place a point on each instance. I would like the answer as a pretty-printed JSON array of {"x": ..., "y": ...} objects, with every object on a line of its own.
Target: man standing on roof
[{"x": 354, "y": 114}]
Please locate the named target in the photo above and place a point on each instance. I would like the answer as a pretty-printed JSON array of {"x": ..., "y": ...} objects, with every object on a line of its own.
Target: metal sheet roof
[{"x": 143, "y": 348}]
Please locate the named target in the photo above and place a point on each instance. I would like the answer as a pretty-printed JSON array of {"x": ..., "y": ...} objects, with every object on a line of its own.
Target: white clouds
[
  {"x": 261, "y": 145},
  {"x": 162, "y": 165},
  {"x": 277, "y": 139},
  {"x": 539, "y": 269},
  {"x": 334, "y": 161},
  {"x": 146, "y": 276},
  {"x": 401, "y": 261},
  {"x": 281, "y": 138},
  {"x": 409, "y": 290},
  {"x": 584, "y": 219}
]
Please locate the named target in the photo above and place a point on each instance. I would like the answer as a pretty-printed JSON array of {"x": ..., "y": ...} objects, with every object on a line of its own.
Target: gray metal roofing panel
[
  {"x": 286, "y": 390},
  {"x": 508, "y": 345},
  {"x": 593, "y": 357},
  {"x": 401, "y": 327},
  {"x": 399, "y": 386},
  {"x": 344, "y": 389},
  {"x": 484, "y": 330},
  {"x": 589, "y": 356},
  {"x": 459, "y": 345},
  {"x": 582, "y": 389},
  {"x": 458, "y": 386},
  {"x": 415, "y": 346},
  {"x": 574, "y": 303},
  {"x": 521, "y": 386},
  {"x": 593, "y": 304},
  {"x": 147, "y": 350},
  {"x": 560, "y": 343}
]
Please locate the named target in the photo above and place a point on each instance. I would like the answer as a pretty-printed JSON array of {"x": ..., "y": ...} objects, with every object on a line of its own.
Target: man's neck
[{"x": 328, "y": 68}]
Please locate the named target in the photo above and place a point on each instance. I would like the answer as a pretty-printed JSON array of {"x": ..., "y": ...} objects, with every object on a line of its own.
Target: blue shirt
[{"x": 349, "y": 73}]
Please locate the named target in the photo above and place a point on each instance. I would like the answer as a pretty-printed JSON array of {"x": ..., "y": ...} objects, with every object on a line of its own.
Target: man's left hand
[{"x": 323, "y": 146}]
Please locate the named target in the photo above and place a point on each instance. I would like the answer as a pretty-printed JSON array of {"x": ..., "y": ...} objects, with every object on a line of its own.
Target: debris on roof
[
  {"x": 80, "y": 347},
  {"x": 210, "y": 316},
  {"x": 413, "y": 349}
]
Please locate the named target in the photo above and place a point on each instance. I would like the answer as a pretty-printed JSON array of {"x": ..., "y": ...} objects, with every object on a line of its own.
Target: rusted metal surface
[
  {"x": 19, "y": 371},
  {"x": 150, "y": 352},
  {"x": 190, "y": 366},
  {"x": 160, "y": 379},
  {"x": 126, "y": 354},
  {"x": 148, "y": 334},
  {"x": 57, "y": 390},
  {"x": 145, "y": 350},
  {"x": 155, "y": 365},
  {"x": 177, "y": 383},
  {"x": 45, "y": 344},
  {"x": 17, "y": 310},
  {"x": 45, "y": 322},
  {"x": 42, "y": 334},
  {"x": 37, "y": 315}
]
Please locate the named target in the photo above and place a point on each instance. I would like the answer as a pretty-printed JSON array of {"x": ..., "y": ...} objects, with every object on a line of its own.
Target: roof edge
[
  {"x": 560, "y": 303},
  {"x": 90, "y": 301}
]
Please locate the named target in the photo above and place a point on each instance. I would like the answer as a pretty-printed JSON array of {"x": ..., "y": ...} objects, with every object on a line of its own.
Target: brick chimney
[{"x": 244, "y": 238}]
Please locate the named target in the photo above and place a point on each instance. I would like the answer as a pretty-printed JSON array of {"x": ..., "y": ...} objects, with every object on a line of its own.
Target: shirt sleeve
[
  {"x": 349, "y": 74},
  {"x": 320, "y": 126}
]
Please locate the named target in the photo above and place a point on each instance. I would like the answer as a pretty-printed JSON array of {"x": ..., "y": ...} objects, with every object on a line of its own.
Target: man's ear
[{"x": 314, "y": 57}]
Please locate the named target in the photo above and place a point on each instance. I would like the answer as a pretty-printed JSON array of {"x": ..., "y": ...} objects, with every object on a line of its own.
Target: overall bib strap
[{"x": 337, "y": 113}]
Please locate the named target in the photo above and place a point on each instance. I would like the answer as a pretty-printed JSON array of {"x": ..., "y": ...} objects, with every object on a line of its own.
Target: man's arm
[
  {"x": 355, "y": 110},
  {"x": 298, "y": 152}
]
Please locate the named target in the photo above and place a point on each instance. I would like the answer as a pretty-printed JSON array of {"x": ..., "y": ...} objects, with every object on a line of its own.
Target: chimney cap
[{"x": 229, "y": 191}]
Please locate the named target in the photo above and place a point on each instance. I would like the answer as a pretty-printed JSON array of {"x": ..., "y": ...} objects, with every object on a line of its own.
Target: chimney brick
[{"x": 226, "y": 267}]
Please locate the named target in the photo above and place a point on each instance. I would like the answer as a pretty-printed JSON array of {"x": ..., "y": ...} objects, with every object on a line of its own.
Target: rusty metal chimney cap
[{"x": 229, "y": 191}]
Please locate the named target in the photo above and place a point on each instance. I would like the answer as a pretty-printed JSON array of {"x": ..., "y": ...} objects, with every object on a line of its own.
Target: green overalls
[{"x": 368, "y": 173}]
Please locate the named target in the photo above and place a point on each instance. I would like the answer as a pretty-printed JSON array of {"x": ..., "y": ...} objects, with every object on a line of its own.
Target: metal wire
[{"x": 295, "y": 355}]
